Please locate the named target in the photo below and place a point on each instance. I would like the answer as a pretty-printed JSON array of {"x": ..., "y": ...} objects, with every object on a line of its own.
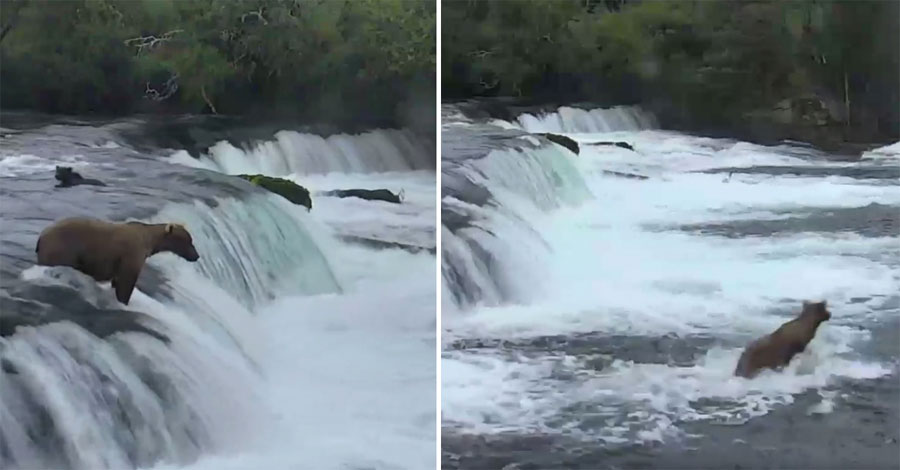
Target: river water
[
  {"x": 597, "y": 303},
  {"x": 300, "y": 339}
]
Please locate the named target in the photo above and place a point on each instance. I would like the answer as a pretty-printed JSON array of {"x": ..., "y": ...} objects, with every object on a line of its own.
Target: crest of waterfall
[
  {"x": 72, "y": 399},
  {"x": 491, "y": 251},
  {"x": 377, "y": 151},
  {"x": 576, "y": 120},
  {"x": 279, "y": 254}
]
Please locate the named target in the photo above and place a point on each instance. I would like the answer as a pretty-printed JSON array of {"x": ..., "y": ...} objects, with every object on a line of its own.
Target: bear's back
[{"x": 89, "y": 245}]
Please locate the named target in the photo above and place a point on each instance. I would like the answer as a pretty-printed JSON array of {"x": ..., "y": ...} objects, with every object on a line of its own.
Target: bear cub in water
[
  {"x": 68, "y": 177},
  {"x": 776, "y": 350},
  {"x": 111, "y": 252}
]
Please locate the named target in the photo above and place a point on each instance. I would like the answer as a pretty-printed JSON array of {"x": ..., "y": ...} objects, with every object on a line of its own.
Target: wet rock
[
  {"x": 367, "y": 194},
  {"x": 566, "y": 142},
  {"x": 81, "y": 302},
  {"x": 621, "y": 174},
  {"x": 285, "y": 188},
  {"x": 624, "y": 145},
  {"x": 386, "y": 244}
]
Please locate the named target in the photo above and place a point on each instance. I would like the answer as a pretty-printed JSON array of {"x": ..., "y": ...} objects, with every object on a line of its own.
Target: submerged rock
[
  {"x": 367, "y": 194},
  {"x": 285, "y": 188},
  {"x": 566, "y": 142},
  {"x": 622, "y": 174},
  {"x": 386, "y": 244},
  {"x": 624, "y": 145}
]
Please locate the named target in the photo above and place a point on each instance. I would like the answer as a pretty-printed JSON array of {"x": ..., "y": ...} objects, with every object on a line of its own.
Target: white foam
[
  {"x": 27, "y": 164},
  {"x": 348, "y": 379},
  {"x": 888, "y": 152},
  {"x": 572, "y": 120},
  {"x": 410, "y": 222},
  {"x": 291, "y": 152},
  {"x": 493, "y": 393},
  {"x": 618, "y": 265}
]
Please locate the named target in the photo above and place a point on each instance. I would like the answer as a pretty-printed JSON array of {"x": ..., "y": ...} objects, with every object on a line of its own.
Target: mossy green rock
[
  {"x": 285, "y": 188},
  {"x": 566, "y": 142}
]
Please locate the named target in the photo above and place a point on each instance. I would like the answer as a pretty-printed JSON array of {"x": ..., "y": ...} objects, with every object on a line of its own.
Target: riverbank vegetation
[
  {"x": 323, "y": 60},
  {"x": 817, "y": 70}
]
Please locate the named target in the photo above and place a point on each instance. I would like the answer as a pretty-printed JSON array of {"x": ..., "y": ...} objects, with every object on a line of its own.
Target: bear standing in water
[
  {"x": 776, "y": 350},
  {"x": 111, "y": 252}
]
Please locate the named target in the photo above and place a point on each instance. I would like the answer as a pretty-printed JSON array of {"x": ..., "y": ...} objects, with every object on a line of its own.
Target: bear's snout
[{"x": 192, "y": 255}]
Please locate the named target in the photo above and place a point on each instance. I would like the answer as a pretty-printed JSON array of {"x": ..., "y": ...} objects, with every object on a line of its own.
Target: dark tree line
[
  {"x": 698, "y": 64},
  {"x": 321, "y": 59}
]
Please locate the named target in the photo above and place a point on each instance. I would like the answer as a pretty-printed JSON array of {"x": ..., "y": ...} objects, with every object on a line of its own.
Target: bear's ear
[{"x": 170, "y": 227}]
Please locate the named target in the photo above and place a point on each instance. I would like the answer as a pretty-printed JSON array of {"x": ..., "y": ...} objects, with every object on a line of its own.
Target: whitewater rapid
[
  {"x": 614, "y": 309},
  {"x": 289, "y": 344},
  {"x": 349, "y": 377}
]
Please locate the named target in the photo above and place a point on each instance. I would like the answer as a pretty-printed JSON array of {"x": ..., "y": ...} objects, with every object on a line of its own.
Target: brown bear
[
  {"x": 111, "y": 252},
  {"x": 776, "y": 350}
]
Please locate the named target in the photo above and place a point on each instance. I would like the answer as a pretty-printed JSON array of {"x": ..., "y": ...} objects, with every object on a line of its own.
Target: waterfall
[
  {"x": 497, "y": 183},
  {"x": 279, "y": 254},
  {"x": 292, "y": 152},
  {"x": 491, "y": 252},
  {"x": 76, "y": 396},
  {"x": 576, "y": 120}
]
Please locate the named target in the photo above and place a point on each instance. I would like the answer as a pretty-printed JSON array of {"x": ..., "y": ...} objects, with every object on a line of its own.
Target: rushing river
[
  {"x": 300, "y": 339},
  {"x": 596, "y": 304}
]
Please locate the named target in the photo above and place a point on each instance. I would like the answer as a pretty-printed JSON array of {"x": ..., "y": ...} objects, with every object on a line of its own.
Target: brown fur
[
  {"x": 111, "y": 252},
  {"x": 776, "y": 350}
]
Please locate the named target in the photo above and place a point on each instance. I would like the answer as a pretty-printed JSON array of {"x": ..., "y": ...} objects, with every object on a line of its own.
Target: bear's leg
[
  {"x": 125, "y": 278},
  {"x": 792, "y": 350}
]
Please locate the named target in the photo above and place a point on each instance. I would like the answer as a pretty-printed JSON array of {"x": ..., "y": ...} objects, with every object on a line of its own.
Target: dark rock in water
[
  {"x": 624, "y": 145},
  {"x": 68, "y": 177},
  {"x": 285, "y": 188},
  {"x": 8, "y": 367},
  {"x": 385, "y": 244},
  {"x": 621, "y": 174},
  {"x": 367, "y": 194},
  {"x": 566, "y": 142},
  {"x": 79, "y": 300}
]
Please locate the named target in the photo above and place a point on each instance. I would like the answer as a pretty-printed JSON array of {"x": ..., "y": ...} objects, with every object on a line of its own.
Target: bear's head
[
  {"x": 817, "y": 310},
  {"x": 64, "y": 173},
  {"x": 177, "y": 240}
]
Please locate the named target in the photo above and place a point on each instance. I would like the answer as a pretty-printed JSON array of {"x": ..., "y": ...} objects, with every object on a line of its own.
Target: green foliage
[
  {"x": 710, "y": 61},
  {"x": 295, "y": 57}
]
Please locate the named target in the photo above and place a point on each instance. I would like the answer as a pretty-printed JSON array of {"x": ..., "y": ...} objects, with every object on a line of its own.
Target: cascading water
[
  {"x": 222, "y": 363},
  {"x": 490, "y": 207},
  {"x": 577, "y": 120},
  {"x": 77, "y": 401},
  {"x": 606, "y": 311},
  {"x": 396, "y": 160},
  {"x": 300, "y": 153}
]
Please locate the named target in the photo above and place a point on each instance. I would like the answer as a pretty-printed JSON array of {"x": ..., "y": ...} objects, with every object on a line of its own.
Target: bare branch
[
  {"x": 12, "y": 15},
  {"x": 481, "y": 54},
  {"x": 206, "y": 98},
  {"x": 169, "y": 89},
  {"x": 151, "y": 41}
]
